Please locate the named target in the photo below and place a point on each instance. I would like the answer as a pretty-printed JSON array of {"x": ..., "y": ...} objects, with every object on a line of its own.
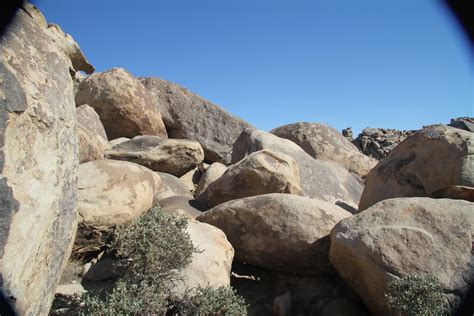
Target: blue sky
[{"x": 395, "y": 64}]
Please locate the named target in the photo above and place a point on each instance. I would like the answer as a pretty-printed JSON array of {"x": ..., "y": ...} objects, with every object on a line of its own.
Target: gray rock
[
  {"x": 465, "y": 123},
  {"x": 406, "y": 236},
  {"x": 323, "y": 180},
  {"x": 38, "y": 161},
  {"x": 188, "y": 116},
  {"x": 174, "y": 156},
  {"x": 124, "y": 106}
]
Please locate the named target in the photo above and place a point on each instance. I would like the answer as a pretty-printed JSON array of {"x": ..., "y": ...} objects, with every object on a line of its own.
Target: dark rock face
[
  {"x": 187, "y": 115},
  {"x": 379, "y": 142},
  {"x": 38, "y": 160},
  {"x": 465, "y": 123}
]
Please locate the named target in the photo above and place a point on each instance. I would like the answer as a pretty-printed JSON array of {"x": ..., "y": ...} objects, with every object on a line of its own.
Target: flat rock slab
[{"x": 173, "y": 156}]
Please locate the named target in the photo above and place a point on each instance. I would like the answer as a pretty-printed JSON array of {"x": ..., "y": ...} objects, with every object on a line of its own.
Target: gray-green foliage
[
  {"x": 416, "y": 295},
  {"x": 155, "y": 247},
  {"x": 212, "y": 302}
]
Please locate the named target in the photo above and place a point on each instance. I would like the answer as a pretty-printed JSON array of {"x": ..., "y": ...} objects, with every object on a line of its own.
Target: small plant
[
  {"x": 416, "y": 295},
  {"x": 212, "y": 302}
]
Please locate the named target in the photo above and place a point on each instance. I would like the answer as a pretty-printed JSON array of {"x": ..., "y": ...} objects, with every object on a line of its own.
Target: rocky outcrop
[
  {"x": 211, "y": 174},
  {"x": 174, "y": 156},
  {"x": 114, "y": 192},
  {"x": 211, "y": 265},
  {"x": 323, "y": 180},
  {"x": 171, "y": 186},
  {"x": 38, "y": 160},
  {"x": 323, "y": 142},
  {"x": 91, "y": 134},
  {"x": 124, "y": 106},
  {"x": 188, "y": 116},
  {"x": 379, "y": 142},
  {"x": 117, "y": 141},
  {"x": 465, "y": 123},
  {"x": 284, "y": 232},
  {"x": 401, "y": 237},
  {"x": 435, "y": 158},
  {"x": 260, "y": 172}
]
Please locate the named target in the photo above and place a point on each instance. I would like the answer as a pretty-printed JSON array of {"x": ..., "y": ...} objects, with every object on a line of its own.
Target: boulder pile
[{"x": 297, "y": 220}]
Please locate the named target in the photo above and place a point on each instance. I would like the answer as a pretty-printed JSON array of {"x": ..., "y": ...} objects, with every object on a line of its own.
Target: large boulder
[
  {"x": 182, "y": 206},
  {"x": 187, "y": 115},
  {"x": 261, "y": 172},
  {"x": 323, "y": 142},
  {"x": 174, "y": 156},
  {"x": 171, "y": 186},
  {"x": 114, "y": 192},
  {"x": 91, "y": 134},
  {"x": 38, "y": 161},
  {"x": 435, "y": 158},
  {"x": 323, "y": 180},
  {"x": 283, "y": 232},
  {"x": 124, "y": 106},
  {"x": 211, "y": 174},
  {"x": 211, "y": 265},
  {"x": 406, "y": 236}
]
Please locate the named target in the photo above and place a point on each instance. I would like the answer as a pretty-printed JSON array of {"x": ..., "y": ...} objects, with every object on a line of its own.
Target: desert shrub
[
  {"x": 212, "y": 302},
  {"x": 154, "y": 248},
  {"x": 416, "y": 295}
]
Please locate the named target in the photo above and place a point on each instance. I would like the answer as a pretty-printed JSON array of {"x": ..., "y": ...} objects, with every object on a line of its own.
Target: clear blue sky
[{"x": 386, "y": 63}]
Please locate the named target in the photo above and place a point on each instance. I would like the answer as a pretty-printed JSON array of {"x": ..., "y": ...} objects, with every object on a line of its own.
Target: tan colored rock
[
  {"x": 191, "y": 178},
  {"x": 114, "y": 192},
  {"x": 117, "y": 141},
  {"x": 91, "y": 134},
  {"x": 124, "y": 106},
  {"x": 211, "y": 174},
  {"x": 282, "y": 232},
  {"x": 406, "y": 236},
  {"x": 38, "y": 162},
  {"x": 182, "y": 206},
  {"x": 171, "y": 186},
  {"x": 435, "y": 158},
  {"x": 261, "y": 172},
  {"x": 323, "y": 180},
  {"x": 211, "y": 265},
  {"x": 174, "y": 156},
  {"x": 323, "y": 142}
]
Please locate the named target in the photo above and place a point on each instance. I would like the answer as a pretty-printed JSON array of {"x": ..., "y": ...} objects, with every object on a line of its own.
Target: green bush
[
  {"x": 154, "y": 248},
  {"x": 416, "y": 295},
  {"x": 212, "y": 302}
]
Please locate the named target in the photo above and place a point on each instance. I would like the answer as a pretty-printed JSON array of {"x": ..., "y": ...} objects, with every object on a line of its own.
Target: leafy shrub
[
  {"x": 154, "y": 248},
  {"x": 209, "y": 301},
  {"x": 416, "y": 295}
]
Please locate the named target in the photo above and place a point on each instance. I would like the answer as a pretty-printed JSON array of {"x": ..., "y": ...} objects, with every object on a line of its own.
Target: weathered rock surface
[
  {"x": 174, "y": 156},
  {"x": 323, "y": 142},
  {"x": 188, "y": 116},
  {"x": 91, "y": 134},
  {"x": 465, "y": 123},
  {"x": 171, "y": 186},
  {"x": 117, "y": 141},
  {"x": 405, "y": 236},
  {"x": 284, "y": 232},
  {"x": 261, "y": 172},
  {"x": 211, "y": 174},
  {"x": 211, "y": 266},
  {"x": 379, "y": 142},
  {"x": 124, "y": 106},
  {"x": 114, "y": 192},
  {"x": 38, "y": 161},
  {"x": 437, "y": 157},
  {"x": 191, "y": 178},
  {"x": 323, "y": 180},
  {"x": 182, "y": 206}
]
